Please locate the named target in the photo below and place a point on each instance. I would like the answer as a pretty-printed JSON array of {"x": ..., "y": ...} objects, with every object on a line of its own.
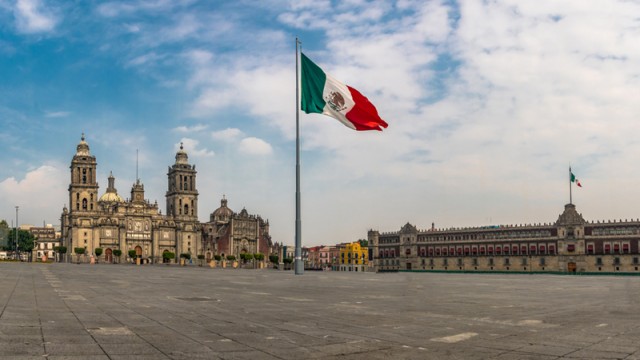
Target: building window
[
  {"x": 542, "y": 261},
  {"x": 506, "y": 261},
  {"x": 599, "y": 261},
  {"x": 475, "y": 262},
  {"x": 459, "y": 262},
  {"x": 616, "y": 261},
  {"x": 445, "y": 262},
  {"x": 571, "y": 247},
  {"x": 524, "y": 261},
  {"x": 635, "y": 261},
  {"x": 490, "y": 262}
]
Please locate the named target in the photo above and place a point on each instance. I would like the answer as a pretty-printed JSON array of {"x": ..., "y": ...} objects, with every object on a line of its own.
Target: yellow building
[{"x": 353, "y": 257}]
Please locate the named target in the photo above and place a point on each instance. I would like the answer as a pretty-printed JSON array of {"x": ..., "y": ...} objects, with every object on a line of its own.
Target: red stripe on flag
[{"x": 364, "y": 115}]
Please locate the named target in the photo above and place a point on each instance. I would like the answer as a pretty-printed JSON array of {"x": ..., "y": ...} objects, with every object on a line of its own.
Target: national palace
[
  {"x": 570, "y": 244},
  {"x": 110, "y": 222}
]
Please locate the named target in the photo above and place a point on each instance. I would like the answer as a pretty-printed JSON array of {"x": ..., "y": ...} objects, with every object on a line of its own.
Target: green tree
[
  {"x": 363, "y": 242},
  {"x": 167, "y": 256},
  {"x": 231, "y": 258},
  {"x": 274, "y": 258},
  {"x": 132, "y": 254},
  {"x": 25, "y": 240},
  {"x": 186, "y": 256},
  {"x": 258, "y": 256},
  {"x": 98, "y": 252},
  {"x": 248, "y": 257},
  {"x": 79, "y": 251},
  {"x": 117, "y": 253},
  {"x": 217, "y": 257}
]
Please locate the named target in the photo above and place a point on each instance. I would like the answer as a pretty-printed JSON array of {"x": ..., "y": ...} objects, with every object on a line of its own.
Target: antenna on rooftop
[{"x": 137, "y": 178}]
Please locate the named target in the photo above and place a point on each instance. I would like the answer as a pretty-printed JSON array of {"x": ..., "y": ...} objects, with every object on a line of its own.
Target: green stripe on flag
[{"x": 313, "y": 79}]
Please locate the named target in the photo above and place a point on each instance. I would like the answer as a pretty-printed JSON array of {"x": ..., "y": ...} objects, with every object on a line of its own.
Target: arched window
[
  {"x": 186, "y": 209},
  {"x": 84, "y": 204}
]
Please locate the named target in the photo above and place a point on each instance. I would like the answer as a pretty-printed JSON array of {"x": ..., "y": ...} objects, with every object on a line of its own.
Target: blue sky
[{"x": 488, "y": 103}]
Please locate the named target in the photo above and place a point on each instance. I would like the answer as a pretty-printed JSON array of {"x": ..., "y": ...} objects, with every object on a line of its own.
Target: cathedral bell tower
[
  {"x": 83, "y": 189},
  {"x": 182, "y": 196}
]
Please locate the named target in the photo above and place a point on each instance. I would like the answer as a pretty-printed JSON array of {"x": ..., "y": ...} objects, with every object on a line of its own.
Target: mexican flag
[
  {"x": 323, "y": 94},
  {"x": 575, "y": 180}
]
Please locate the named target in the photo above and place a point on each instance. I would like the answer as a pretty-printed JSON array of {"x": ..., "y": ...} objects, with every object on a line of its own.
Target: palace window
[
  {"x": 542, "y": 261},
  {"x": 598, "y": 261},
  {"x": 506, "y": 261},
  {"x": 514, "y": 250},
  {"x": 590, "y": 249},
  {"x": 459, "y": 262},
  {"x": 475, "y": 262},
  {"x": 542, "y": 249},
  {"x": 616, "y": 261},
  {"x": 490, "y": 262},
  {"x": 533, "y": 249},
  {"x": 407, "y": 252},
  {"x": 552, "y": 249},
  {"x": 571, "y": 247},
  {"x": 635, "y": 261},
  {"x": 616, "y": 248},
  {"x": 625, "y": 248},
  {"x": 607, "y": 248}
]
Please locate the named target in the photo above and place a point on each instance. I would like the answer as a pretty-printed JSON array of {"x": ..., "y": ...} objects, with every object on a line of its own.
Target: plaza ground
[{"x": 69, "y": 311}]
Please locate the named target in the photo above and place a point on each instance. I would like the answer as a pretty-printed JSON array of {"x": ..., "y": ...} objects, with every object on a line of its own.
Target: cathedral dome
[
  {"x": 112, "y": 194},
  {"x": 83, "y": 147},
  {"x": 222, "y": 213},
  {"x": 111, "y": 197},
  {"x": 181, "y": 156}
]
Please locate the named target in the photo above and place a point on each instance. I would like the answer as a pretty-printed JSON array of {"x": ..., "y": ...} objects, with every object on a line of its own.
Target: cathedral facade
[
  {"x": 569, "y": 245},
  {"x": 111, "y": 223}
]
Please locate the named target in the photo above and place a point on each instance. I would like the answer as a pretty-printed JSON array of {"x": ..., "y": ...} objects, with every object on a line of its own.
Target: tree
[
  {"x": 167, "y": 256},
  {"x": 132, "y": 254},
  {"x": 200, "y": 258},
  {"x": 274, "y": 258},
  {"x": 258, "y": 256},
  {"x": 98, "y": 252},
  {"x": 25, "y": 240},
  {"x": 248, "y": 257},
  {"x": 231, "y": 258},
  {"x": 217, "y": 257},
  {"x": 363, "y": 242},
  {"x": 79, "y": 251},
  {"x": 117, "y": 253}
]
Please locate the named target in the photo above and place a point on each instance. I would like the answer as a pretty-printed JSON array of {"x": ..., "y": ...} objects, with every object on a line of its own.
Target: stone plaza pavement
[{"x": 69, "y": 311}]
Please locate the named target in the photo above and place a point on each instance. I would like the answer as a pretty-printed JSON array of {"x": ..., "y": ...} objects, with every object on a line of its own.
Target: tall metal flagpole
[
  {"x": 298, "y": 265},
  {"x": 570, "y": 197}
]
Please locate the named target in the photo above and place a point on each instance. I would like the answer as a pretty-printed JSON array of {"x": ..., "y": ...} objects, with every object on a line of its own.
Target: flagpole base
[{"x": 299, "y": 266}]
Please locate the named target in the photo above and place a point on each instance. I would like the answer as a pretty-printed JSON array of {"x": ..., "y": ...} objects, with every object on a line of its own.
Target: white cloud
[
  {"x": 255, "y": 146},
  {"x": 190, "y": 129},
  {"x": 57, "y": 114},
  {"x": 40, "y": 195},
  {"x": 191, "y": 147},
  {"x": 32, "y": 16},
  {"x": 228, "y": 135}
]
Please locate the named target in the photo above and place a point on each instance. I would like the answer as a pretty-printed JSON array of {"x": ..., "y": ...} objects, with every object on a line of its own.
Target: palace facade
[
  {"x": 571, "y": 244},
  {"x": 112, "y": 223}
]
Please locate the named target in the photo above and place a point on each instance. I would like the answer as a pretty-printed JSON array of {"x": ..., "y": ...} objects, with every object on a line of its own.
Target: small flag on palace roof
[
  {"x": 575, "y": 180},
  {"x": 323, "y": 94}
]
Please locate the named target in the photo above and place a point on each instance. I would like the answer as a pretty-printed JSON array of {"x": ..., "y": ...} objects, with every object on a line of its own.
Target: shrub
[
  {"x": 231, "y": 257},
  {"x": 117, "y": 252},
  {"x": 274, "y": 258},
  {"x": 168, "y": 255},
  {"x": 287, "y": 260},
  {"x": 62, "y": 249},
  {"x": 98, "y": 251},
  {"x": 185, "y": 256},
  {"x": 258, "y": 256},
  {"x": 217, "y": 257},
  {"x": 201, "y": 257},
  {"x": 132, "y": 254},
  {"x": 78, "y": 250},
  {"x": 248, "y": 257}
]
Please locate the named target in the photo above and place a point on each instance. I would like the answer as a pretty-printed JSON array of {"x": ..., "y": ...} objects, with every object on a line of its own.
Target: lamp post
[{"x": 16, "y": 234}]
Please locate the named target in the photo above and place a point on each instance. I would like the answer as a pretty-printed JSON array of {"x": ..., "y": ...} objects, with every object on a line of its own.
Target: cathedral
[{"x": 111, "y": 223}]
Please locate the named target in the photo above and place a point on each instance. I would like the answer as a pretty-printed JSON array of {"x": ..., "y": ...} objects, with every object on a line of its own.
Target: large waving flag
[{"x": 321, "y": 93}]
